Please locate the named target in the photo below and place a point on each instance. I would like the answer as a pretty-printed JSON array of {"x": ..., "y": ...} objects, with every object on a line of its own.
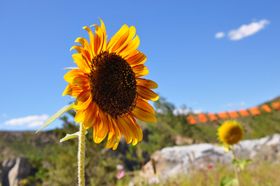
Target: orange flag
[
  {"x": 212, "y": 117},
  {"x": 244, "y": 113},
  {"x": 233, "y": 115},
  {"x": 223, "y": 115},
  {"x": 266, "y": 108},
  {"x": 202, "y": 118},
  {"x": 255, "y": 111},
  {"x": 276, "y": 105},
  {"x": 191, "y": 120}
]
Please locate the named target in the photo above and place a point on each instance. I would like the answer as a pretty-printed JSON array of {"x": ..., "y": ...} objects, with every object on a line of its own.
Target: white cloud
[
  {"x": 219, "y": 35},
  {"x": 247, "y": 30},
  {"x": 181, "y": 111},
  {"x": 241, "y": 104},
  {"x": 244, "y": 30},
  {"x": 28, "y": 121},
  {"x": 197, "y": 111},
  {"x": 185, "y": 111}
]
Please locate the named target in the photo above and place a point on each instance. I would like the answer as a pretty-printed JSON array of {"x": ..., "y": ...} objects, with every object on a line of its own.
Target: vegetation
[{"x": 55, "y": 162}]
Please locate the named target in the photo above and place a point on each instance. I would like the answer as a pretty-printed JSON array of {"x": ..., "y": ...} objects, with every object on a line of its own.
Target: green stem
[
  {"x": 235, "y": 168},
  {"x": 81, "y": 156}
]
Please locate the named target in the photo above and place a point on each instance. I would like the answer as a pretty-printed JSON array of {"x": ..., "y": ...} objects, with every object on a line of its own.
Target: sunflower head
[
  {"x": 230, "y": 133},
  {"x": 108, "y": 85}
]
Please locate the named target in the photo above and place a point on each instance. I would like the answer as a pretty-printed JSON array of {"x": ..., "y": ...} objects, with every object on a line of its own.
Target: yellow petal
[
  {"x": 71, "y": 74},
  {"x": 143, "y": 115},
  {"x": 125, "y": 130},
  {"x": 91, "y": 39},
  {"x": 67, "y": 90},
  {"x": 126, "y": 41},
  {"x": 72, "y": 90},
  {"x": 81, "y": 62},
  {"x": 84, "y": 43},
  {"x": 132, "y": 46},
  {"x": 116, "y": 37},
  {"x": 89, "y": 116},
  {"x": 147, "y": 93},
  {"x": 83, "y": 105},
  {"x": 101, "y": 37},
  {"x": 147, "y": 83},
  {"x": 144, "y": 105},
  {"x": 82, "y": 51},
  {"x": 140, "y": 70},
  {"x": 136, "y": 58},
  {"x": 101, "y": 128}
]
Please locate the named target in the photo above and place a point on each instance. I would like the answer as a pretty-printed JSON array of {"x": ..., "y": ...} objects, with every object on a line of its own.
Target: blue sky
[{"x": 191, "y": 65}]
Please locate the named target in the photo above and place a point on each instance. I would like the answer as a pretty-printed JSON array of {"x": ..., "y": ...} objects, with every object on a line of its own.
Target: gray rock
[
  {"x": 176, "y": 160},
  {"x": 13, "y": 170}
]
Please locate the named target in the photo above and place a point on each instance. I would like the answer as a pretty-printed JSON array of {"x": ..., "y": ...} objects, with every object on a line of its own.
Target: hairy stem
[
  {"x": 81, "y": 157},
  {"x": 236, "y": 171}
]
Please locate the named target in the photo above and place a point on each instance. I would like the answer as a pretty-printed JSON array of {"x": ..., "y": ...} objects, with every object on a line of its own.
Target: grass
[{"x": 257, "y": 174}]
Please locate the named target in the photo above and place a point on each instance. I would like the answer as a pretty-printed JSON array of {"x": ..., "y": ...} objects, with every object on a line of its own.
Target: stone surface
[
  {"x": 175, "y": 160},
  {"x": 13, "y": 170}
]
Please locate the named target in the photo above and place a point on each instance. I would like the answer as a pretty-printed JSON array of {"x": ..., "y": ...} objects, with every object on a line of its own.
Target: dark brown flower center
[{"x": 113, "y": 84}]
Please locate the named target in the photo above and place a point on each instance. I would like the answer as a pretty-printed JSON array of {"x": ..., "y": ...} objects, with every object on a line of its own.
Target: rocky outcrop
[
  {"x": 14, "y": 170},
  {"x": 176, "y": 160}
]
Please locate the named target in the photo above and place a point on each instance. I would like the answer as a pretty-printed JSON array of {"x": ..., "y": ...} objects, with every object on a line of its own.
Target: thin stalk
[
  {"x": 235, "y": 168},
  {"x": 81, "y": 156}
]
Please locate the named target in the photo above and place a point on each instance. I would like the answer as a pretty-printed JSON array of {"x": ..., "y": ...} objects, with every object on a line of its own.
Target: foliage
[{"x": 55, "y": 162}]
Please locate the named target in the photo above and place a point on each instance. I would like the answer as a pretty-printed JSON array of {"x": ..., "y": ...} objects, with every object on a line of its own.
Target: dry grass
[
  {"x": 262, "y": 174},
  {"x": 257, "y": 174}
]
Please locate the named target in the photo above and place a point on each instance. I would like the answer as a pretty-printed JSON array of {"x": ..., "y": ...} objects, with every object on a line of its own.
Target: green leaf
[
  {"x": 55, "y": 116},
  {"x": 228, "y": 181}
]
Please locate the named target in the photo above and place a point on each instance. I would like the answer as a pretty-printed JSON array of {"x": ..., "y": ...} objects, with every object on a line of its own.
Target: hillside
[{"x": 54, "y": 162}]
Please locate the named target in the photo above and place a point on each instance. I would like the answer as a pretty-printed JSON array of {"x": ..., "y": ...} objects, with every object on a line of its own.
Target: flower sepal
[{"x": 70, "y": 136}]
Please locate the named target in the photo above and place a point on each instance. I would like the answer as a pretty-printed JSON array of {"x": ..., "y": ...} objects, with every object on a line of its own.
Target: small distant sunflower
[
  {"x": 230, "y": 133},
  {"x": 108, "y": 86}
]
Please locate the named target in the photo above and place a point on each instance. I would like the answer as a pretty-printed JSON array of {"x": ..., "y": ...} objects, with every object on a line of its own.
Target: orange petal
[
  {"x": 101, "y": 128},
  {"x": 132, "y": 46},
  {"x": 83, "y": 105},
  {"x": 134, "y": 128},
  {"x": 140, "y": 70},
  {"x": 146, "y": 83},
  {"x": 124, "y": 45},
  {"x": 84, "y": 44},
  {"x": 72, "y": 90},
  {"x": 70, "y": 75},
  {"x": 116, "y": 37},
  {"x": 136, "y": 58},
  {"x": 82, "y": 51},
  {"x": 125, "y": 130},
  {"x": 89, "y": 116},
  {"x": 81, "y": 62},
  {"x": 91, "y": 39},
  {"x": 144, "y": 105},
  {"x": 147, "y": 93},
  {"x": 144, "y": 115}
]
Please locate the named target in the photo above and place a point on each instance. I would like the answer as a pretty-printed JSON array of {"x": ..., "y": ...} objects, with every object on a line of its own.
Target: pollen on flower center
[{"x": 113, "y": 84}]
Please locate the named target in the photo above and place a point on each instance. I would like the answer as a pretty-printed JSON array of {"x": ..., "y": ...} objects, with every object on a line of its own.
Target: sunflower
[
  {"x": 108, "y": 85},
  {"x": 230, "y": 133}
]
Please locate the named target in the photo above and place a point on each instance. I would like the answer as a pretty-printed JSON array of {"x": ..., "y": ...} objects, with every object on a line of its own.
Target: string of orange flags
[{"x": 253, "y": 111}]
